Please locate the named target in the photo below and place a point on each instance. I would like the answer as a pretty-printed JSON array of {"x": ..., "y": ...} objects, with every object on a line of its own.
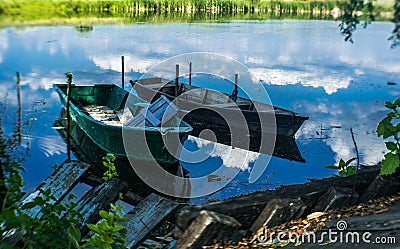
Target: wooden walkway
[{"x": 146, "y": 214}]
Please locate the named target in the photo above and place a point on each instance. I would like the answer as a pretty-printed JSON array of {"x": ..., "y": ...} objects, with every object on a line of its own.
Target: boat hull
[
  {"x": 110, "y": 137},
  {"x": 86, "y": 150},
  {"x": 282, "y": 122}
]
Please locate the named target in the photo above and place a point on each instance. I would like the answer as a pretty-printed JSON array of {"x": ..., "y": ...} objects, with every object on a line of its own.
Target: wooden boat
[
  {"x": 94, "y": 109},
  {"x": 206, "y": 105},
  {"x": 88, "y": 151}
]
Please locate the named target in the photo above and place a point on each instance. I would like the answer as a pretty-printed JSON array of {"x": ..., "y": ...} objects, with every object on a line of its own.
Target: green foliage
[
  {"x": 40, "y": 223},
  {"x": 108, "y": 233},
  {"x": 44, "y": 221},
  {"x": 69, "y": 77},
  {"x": 344, "y": 167},
  {"x": 395, "y": 37},
  {"x": 389, "y": 127},
  {"x": 64, "y": 11},
  {"x": 108, "y": 162},
  {"x": 54, "y": 226},
  {"x": 351, "y": 17}
]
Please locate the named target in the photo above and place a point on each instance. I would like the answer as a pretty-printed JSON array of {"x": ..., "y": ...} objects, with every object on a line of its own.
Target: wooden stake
[
  {"x": 68, "y": 125},
  {"x": 123, "y": 72},
  {"x": 235, "y": 91},
  {"x": 358, "y": 159},
  {"x": 19, "y": 120},
  {"x": 176, "y": 79},
  {"x": 190, "y": 73}
]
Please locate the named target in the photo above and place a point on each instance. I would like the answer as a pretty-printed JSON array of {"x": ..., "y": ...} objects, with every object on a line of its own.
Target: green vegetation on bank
[{"x": 124, "y": 11}]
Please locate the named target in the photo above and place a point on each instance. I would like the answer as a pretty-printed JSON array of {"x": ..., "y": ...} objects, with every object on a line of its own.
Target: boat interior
[
  {"x": 209, "y": 97},
  {"x": 108, "y": 104}
]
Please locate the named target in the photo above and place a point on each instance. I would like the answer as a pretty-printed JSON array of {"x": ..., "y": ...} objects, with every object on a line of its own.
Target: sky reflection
[{"x": 304, "y": 65}]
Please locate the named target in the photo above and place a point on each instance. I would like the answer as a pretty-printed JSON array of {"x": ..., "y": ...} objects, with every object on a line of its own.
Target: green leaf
[
  {"x": 351, "y": 170},
  {"x": 104, "y": 214},
  {"x": 342, "y": 163},
  {"x": 349, "y": 161},
  {"x": 118, "y": 228},
  {"x": 390, "y": 163},
  {"x": 397, "y": 127},
  {"x": 332, "y": 167},
  {"x": 384, "y": 128},
  {"x": 391, "y": 146},
  {"x": 103, "y": 225},
  {"x": 93, "y": 228},
  {"x": 75, "y": 236},
  {"x": 390, "y": 105},
  {"x": 397, "y": 102}
]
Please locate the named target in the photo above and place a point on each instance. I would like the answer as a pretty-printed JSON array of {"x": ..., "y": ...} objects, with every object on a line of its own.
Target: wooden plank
[
  {"x": 207, "y": 228},
  {"x": 61, "y": 182},
  {"x": 128, "y": 197},
  {"x": 99, "y": 198},
  {"x": 163, "y": 109},
  {"x": 151, "y": 116},
  {"x": 143, "y": 218}
]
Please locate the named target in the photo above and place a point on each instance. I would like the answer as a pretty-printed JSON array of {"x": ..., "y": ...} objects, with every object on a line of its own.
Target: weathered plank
[
  {"x": 245, "y": 209},
  {"x": 128, "y": 196},
  {"x": 206, "y": 229},
  {"x": 381, "y": 186},
  {"x": 61, "y": 182},
  {"x": 278, "y": 211},
  {"x": 144, "y": 217},
  {"x": 336, "y": 197},
  {"x": 99, "y": 198}
]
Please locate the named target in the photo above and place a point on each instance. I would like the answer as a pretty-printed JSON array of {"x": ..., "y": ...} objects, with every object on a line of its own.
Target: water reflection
[{"x": 304, "y": 65}]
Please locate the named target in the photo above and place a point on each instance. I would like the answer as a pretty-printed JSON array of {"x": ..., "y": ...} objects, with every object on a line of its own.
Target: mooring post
[
  {"x": 176, "y": 79},
  {"x": 190, "y": 73},
  {"x": 19, "y": 120},
  {"x": 68, "y": 125},
  {"x": 123, "y": 71},
  {"x": 235, "y": 91}
]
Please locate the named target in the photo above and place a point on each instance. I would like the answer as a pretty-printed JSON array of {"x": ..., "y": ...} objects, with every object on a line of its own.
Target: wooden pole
[
  {"x": 235, "y": 91},
  {"x": 176, "y": 79},
  {"x": 190, "y": 73},
  {"x": 19, "y": 120},
  {"x": 236, "y": 82},
  {"x": 123, "y": 71},
  {"x": 68, "y": 125}
]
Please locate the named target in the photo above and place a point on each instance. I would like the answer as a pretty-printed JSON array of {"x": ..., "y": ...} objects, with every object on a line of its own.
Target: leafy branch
[
  {"x": 108, "y": 233},
  {"x": 389, "y": 127},
  {"x": 108, "y": 162},
  {"x": 344, "y": 167}
]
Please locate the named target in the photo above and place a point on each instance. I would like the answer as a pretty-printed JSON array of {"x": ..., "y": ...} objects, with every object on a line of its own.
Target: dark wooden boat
[
  {"x": 204, "y": 109},
  {"x": 94, "y": 109}
]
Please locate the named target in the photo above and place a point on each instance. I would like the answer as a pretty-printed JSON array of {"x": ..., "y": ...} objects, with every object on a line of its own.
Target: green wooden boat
[{"x": 94, "y": 108}]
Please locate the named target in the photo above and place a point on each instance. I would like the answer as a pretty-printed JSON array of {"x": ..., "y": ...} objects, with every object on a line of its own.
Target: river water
[{"x": 304, "y": 65}]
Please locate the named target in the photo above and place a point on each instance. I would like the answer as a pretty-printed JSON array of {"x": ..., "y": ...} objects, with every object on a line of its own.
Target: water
[{"x": 304, "y": 65}]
